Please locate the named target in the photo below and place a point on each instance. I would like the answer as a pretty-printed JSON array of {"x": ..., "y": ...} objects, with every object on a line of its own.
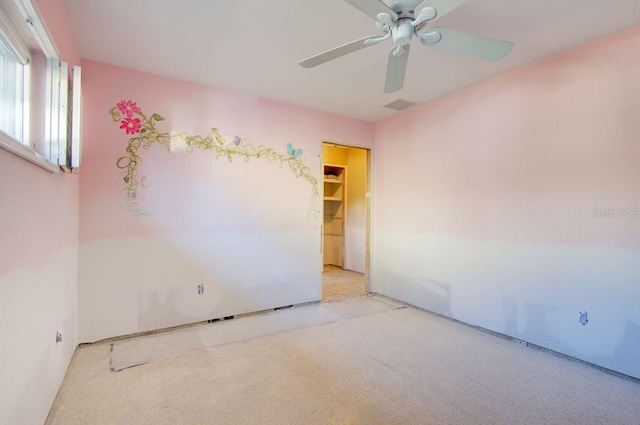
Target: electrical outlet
[{"x": 584, "y": 318}]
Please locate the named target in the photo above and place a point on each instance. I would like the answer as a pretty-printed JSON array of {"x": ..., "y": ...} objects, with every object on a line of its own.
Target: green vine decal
[{"x": 145, "y": 133}]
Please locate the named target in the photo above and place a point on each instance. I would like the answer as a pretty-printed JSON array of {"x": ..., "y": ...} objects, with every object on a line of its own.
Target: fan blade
[
  {"x": 491, "y": 49},
  {"x": 396, "y": 69},
  {"x": 442, "y": 7},
  {"x": 336, "y": 52},
  {"x": 372, "y": 8}
]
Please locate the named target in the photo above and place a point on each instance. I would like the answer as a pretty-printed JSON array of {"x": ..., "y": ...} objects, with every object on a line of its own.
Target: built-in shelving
[{"x": 334, "y": 204}]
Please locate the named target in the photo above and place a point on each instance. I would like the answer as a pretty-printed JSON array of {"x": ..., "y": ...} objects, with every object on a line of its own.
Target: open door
[{"x": 345, "y": 230}]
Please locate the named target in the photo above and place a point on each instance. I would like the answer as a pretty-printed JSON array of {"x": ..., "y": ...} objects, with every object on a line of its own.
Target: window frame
[
  {"x": 23, "y": 21},
  {"x": 20, "y": 50}
]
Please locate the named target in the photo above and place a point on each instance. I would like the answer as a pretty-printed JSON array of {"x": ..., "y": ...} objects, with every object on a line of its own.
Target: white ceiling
[{"x": 253, "y": 46}]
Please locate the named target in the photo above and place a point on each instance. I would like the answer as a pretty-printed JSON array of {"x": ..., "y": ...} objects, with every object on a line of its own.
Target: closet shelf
[{"x": 335, "y": 197}]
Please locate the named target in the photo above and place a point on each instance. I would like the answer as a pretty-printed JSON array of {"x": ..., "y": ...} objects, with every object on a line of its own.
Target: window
[
  {"x": 37, "y": 91},
  {"x": 14, "y": 72}
]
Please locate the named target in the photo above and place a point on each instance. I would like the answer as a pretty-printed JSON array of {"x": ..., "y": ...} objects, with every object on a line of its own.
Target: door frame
[{"x": 368, "y": 199}]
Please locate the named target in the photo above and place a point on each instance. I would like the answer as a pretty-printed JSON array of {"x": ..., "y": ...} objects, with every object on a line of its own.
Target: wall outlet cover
[{"x": 584, "y": 318}]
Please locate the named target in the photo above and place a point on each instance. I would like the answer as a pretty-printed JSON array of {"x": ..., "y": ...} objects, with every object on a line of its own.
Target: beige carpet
[
  {"x": 376, "y": 363},
  {"x": 339, "y": 284}
]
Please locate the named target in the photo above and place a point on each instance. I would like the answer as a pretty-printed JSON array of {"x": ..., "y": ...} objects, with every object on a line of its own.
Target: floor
[
  {"x": 338, "y": 283},
  {"x": 366, "y": 360}
]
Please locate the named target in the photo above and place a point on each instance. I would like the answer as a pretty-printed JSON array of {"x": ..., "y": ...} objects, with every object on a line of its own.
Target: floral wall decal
[{"x": 144, "y": 133}]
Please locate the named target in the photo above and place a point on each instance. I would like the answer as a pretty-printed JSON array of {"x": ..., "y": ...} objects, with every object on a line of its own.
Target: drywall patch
[
  {"x": 627, "y": 351},
  {"x": 434, "y": 295},
  {"x": 525, "y": 290}
]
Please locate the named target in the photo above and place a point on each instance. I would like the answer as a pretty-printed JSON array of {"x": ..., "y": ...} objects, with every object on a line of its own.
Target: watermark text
[{"x": 616, "y": 212}]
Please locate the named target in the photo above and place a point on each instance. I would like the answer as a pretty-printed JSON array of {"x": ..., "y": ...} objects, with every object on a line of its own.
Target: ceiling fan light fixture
[
  {"x": 402, "y": 33},
  {"x": 400, "y": 20}
]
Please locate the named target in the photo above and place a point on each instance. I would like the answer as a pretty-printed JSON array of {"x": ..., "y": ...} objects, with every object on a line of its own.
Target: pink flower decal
[
  {"x": 131, "y": 125},
  {"x": 221, "y": 139},
  {"x": 127, "y": 108}
]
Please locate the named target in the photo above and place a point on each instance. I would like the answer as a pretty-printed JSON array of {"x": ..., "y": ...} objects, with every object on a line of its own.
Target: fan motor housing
[{"x": 403, "y": 32}]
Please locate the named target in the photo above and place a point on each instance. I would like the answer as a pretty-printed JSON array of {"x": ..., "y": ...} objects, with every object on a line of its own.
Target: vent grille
[{"x": 399, "y": 105}]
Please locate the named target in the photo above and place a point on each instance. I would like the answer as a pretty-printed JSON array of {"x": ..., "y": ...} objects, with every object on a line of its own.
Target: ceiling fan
[{"x": 400, "y": 20}]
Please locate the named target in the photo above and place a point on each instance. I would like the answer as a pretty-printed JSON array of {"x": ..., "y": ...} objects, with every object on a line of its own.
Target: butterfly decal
[{"x": 295, "y": 153}]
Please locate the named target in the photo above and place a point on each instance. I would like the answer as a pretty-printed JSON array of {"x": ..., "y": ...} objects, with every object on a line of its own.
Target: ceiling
[{"x": 253, "y": 46}]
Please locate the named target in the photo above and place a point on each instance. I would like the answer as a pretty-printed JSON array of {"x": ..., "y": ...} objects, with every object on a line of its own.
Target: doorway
[{"x": 345, "y": 229}]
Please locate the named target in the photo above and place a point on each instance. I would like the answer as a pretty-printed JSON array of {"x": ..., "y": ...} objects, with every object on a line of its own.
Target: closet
[
  {"x": 334, "y": 182},
  {"x": 344, "y": 183}
]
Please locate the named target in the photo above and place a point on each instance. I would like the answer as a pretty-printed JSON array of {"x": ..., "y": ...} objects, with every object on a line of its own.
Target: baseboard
[{"x": 194, "y": 324}]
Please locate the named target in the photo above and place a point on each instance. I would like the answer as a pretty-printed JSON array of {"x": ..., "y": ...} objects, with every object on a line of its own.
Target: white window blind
[{"x": 14, "y": 66}]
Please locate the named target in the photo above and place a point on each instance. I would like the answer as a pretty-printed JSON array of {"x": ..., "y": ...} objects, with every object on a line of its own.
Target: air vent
[{"x": 399, "y": 105}]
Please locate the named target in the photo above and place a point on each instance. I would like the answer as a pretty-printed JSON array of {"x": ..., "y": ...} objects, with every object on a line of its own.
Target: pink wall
[
  {"x": 56, "y": 21},
  {"x": 487, "y": 198},
  {"x": 483, "y": 212},
  {"x": 193, "y": 109},
  {"x": 38, "y": 270},
  {"x": 239, "y": 227}
]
